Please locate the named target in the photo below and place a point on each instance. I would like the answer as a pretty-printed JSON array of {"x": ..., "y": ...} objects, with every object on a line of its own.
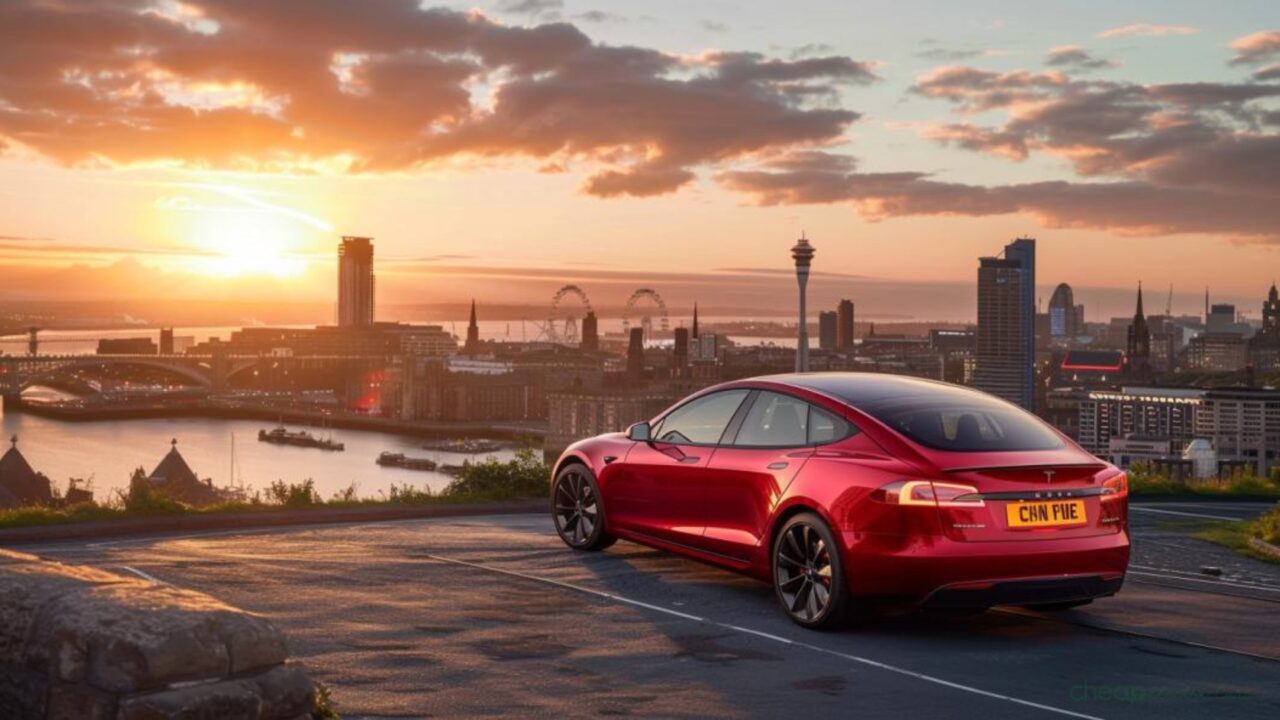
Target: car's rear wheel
[
  {"x": 808, "y": 577},
  {"x": 576, "y": 509}
]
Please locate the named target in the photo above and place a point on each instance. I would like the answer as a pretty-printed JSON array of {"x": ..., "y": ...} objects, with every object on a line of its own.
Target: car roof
[{"x": 856, "y": 388}]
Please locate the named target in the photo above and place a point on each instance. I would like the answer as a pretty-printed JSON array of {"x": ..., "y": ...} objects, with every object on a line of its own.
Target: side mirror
[{"x": 639, "y": 432}]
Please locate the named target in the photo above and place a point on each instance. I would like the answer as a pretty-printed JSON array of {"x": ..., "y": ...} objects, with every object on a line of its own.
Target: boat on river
[
  {"x": 468, "y": 446},
  {"x": 300, "y": 438},
  {"x": 400, "y": 460}
]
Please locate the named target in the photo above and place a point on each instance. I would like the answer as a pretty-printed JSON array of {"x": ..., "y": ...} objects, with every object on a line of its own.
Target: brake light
[
  {"x": 1115, "y": 488},
  {"x": 925, "y": 492}
]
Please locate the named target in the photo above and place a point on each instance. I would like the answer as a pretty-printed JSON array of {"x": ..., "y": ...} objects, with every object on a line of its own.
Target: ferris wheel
[
  {"x": 568, "y": 306},
  {"x": 646, "y": 303}
]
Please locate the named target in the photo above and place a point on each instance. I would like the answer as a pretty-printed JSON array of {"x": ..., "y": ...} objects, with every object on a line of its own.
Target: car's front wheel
[
  {"x": 808, "y": 576},
  {"x": 576, "y": 509}
]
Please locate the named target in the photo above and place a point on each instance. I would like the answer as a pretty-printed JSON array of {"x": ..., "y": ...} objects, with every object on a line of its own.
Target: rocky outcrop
[{"x": 77, "y": 642}]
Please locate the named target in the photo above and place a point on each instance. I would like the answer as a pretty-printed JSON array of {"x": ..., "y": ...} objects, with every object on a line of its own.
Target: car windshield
[{"x": 963, "y": 422}]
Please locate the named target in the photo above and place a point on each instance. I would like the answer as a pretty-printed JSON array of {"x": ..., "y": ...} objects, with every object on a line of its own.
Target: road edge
[{"x": 125, "y": 527}]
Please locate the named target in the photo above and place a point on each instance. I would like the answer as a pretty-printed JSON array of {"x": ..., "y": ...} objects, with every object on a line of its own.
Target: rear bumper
[
  {"x": 1024, "y": 592},
  {"x": 941, "y": 572}
]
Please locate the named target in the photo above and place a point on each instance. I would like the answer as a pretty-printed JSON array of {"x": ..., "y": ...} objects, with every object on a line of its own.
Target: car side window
[
  {"x": 825, "y": 428},
  {"x": 775, "y": 420},
  {"x": 701, "y": 421}
]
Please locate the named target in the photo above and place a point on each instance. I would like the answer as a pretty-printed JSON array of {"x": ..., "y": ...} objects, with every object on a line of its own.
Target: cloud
[
  {"x": 1148, "y": 30},
  {"x": 1181, "y": 134},
  {"x": 1077, "y": 58},
  {"x": 532, "y": 8},
  {"x": 388, "y": 86},
  {"x": 1127, "y": 208},
  {"x": 1257, "y": 48},
  {"x": 955, "y": 54},
  {"x": 713, "y": 26}
]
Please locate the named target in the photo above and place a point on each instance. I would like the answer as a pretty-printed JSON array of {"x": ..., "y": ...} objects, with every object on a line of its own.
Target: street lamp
[{"x": 802, "y": 253}]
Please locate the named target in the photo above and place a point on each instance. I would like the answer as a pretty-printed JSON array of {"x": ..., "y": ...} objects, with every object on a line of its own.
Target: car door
[
  {"x": 749, "y": 473},
  {"x": 659, "y": 491}
]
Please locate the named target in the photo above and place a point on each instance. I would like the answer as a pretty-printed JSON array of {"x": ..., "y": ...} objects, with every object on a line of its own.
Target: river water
[{"x": 109, "y": 451}]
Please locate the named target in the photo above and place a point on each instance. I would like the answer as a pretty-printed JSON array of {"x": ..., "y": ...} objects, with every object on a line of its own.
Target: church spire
[
  {"x": 1139, "y": 313},
  {"x": 473, "y": 331}
]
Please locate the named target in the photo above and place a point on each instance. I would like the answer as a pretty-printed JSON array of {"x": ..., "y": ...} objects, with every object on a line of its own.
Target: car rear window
[{"x": 975, "y": 423}]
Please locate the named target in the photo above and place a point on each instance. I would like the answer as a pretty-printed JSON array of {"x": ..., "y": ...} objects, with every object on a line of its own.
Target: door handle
[
  {"x": 778, "y": 466},
  {"x": 689, "y": 459}
]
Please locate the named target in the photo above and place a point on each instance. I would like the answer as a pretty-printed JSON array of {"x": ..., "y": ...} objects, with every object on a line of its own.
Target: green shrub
[
  {"x": 409, "y": 495},
  {"x": 524, "y": 476},
  {"x": 295, "y": 495},
  {"x": 1267, "y": 527}
]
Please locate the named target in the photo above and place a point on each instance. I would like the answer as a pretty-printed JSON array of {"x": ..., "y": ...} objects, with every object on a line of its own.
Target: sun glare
[{"x": 247, "y": 241}]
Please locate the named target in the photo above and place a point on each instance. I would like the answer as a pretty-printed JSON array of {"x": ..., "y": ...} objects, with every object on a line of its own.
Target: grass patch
[
  {"x": 1235, "y": 534},
  {"x": 491, "y": 480}
]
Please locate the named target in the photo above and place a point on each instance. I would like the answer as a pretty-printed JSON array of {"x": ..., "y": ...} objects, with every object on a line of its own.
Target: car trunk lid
[{"x": 1037, "y": 501}]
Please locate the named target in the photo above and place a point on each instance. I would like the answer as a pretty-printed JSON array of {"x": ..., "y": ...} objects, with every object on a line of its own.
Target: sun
[{"x": 236, "y": 242}]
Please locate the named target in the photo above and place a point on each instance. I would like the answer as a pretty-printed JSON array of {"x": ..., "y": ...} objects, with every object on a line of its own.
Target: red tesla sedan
[{"x": 851, "y": 489}]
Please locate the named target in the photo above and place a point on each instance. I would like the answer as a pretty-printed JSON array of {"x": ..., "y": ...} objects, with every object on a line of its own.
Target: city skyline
[{"x": 1131, "y": 144}]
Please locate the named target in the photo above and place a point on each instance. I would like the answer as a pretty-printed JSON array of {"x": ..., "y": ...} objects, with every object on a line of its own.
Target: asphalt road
[{"x": 492, "y": 616}]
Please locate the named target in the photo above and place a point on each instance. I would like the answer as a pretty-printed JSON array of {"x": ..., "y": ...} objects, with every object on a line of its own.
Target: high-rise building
[
  {"x": 827, "y": 330},
  {"x": 590, "y": 331},
  {"x": 635, "y": 355},
  {"x": 695, "y": 321},
  {"x": 1006, "y": 324},
  {"x": 1064, "y": 320},
  {"x": 680, "y": 348},
  {"x": 473, "y": 333},
  {"x": 1139, "y": 343},
  {"x": 844, "y": 326},
  {"x": 355, "y": 281},
  {"x": 166, "y": 341}
]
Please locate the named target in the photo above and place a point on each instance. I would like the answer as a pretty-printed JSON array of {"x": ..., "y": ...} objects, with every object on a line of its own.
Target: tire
[
  {"x": 808, "y": 575},
  {"x": 576, "y": 509},
  {"x": 1058, "y": 606}
]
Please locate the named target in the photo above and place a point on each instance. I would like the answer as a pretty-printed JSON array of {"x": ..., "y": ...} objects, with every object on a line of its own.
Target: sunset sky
[{"x": 216, "y": 149}]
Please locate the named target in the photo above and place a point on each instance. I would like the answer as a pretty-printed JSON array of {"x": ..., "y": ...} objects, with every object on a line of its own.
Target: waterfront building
[
  {"x": 1006, "y": 324},
  {"x": 355, "y": 282},
  {"x": 574, "y": 415},
  {"x": 1155, "y": 415},
  {"x": 166, "y": 341},
  {"x": 127, "y": 346},
  {"x": 377, "y": 340},
  {"x": 1243, "y": 425},
  {"x": 827, "y": 324},
  {"x": 20, "y": 484},
  {"x": 844, "y": 326}
]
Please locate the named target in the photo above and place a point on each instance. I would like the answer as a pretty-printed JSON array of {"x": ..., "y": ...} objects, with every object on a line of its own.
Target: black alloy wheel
[
  {"x": 807, "y": 575},
  {"x": 575, "y": 507}
]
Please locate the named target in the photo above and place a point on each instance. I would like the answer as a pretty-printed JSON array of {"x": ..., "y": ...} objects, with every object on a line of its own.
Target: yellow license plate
[{"x": 1046, "y": 514}]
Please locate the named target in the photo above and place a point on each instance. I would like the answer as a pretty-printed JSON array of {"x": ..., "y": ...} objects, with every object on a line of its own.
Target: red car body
[{"x": 948, "y": 542}]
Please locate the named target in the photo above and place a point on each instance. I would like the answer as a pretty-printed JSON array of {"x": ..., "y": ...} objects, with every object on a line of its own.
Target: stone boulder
[{"x": 77, "y": 642}]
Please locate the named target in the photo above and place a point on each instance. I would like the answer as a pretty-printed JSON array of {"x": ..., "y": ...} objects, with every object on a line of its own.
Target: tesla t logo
[{"x": 1048, "y": 475}]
